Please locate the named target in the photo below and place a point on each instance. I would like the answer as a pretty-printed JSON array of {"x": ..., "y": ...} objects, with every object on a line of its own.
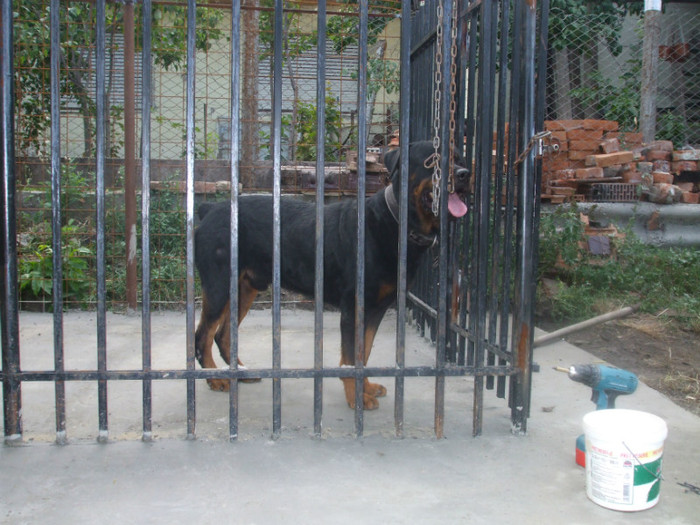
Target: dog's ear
[{"x": 391, "y": 161}]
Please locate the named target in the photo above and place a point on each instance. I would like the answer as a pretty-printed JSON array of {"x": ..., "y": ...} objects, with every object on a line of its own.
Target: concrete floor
[{"x": 495, "y": 478}]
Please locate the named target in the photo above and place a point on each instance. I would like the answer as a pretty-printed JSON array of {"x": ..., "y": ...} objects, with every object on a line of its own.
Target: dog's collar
[
  {"x": 391, "y": 203},
  {"x": 417, "y": 238}
]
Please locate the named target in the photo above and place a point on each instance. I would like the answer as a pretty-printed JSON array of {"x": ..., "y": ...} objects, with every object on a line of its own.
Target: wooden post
[{"x": 650, "y": 66}]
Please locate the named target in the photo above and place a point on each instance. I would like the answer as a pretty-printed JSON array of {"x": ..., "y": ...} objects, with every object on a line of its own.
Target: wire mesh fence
[
  {"x": 595, "y": 68},
  {"x": 593, "y": 75}
]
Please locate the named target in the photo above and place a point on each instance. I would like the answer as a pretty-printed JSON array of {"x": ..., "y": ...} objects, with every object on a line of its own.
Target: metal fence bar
[
  {"x": 234, "y": 177},
  {"x": 523, "y": 333},
  {"x": 146, "y": 73},
  {"x": 276, "y": 218},
  {"x": 499, "y": 290},
  {"x": 484, "y": 196},
  {"x": 404, "y": 141},
  {"x": 59, "y": 386},
  {"x": 320, "y": 223},
  {"x": 189, "y": 217},
  {"x": 263, "y": 373},
  {"x": 360, "y": 350},
  {"x": 445, "y": 154},
  {"x": 100, "y": 52},
  {"x": 11, "y": 385},
  {"x": 466, "y": 350}
]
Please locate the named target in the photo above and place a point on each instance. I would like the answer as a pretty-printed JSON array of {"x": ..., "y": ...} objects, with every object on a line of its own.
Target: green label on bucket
[
  {"x": 647, "y": 472},
  {"x": 654, "y": 491}
]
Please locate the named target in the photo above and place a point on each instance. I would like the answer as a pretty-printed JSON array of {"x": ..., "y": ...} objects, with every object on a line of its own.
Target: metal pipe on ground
[{"x": 558, "y": 334}]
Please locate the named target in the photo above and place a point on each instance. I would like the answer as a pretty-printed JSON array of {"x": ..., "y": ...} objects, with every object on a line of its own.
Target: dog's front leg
[{"x": 347, "y": 358}]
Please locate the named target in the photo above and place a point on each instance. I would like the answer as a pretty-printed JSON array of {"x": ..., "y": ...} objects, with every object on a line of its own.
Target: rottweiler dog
[{"x": 298, "y": 219}]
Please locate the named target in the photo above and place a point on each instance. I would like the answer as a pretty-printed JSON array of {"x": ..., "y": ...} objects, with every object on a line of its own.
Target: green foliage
[
  {"x": 202, "y": 150},
  {"x": 620, "y": 102},
  {"x": 32, "y": 61},
  {"x": 575, "y": 24},
  {"x": 35, "y": 268},
  {"x": 344, "y": 31},
  {"x": 307, "y": 130},
  {"x": 560, "y": 232},
  {"x": 637, "y": 273},
  {"x": 675, "y": 128}
]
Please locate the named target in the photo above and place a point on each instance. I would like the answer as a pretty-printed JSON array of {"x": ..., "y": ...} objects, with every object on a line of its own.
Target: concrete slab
[{"x": 495, "y": 478}]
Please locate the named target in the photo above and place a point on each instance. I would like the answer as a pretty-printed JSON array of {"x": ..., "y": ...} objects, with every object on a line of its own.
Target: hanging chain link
[
  {"x": 453, "y": 97},
  {"x": 434, "y": 160}
]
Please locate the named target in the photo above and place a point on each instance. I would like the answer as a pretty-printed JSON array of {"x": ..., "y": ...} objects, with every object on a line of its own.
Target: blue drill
[{"x": 606, "y": 383}]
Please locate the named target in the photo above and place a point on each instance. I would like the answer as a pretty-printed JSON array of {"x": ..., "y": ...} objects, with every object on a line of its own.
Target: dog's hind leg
[
  {"x": 246, "y": 296},
  {"x": 204, "y": 339}
]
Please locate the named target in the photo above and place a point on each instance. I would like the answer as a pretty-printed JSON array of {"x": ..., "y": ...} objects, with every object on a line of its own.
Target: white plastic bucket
[{"x": 624, "y": 451}]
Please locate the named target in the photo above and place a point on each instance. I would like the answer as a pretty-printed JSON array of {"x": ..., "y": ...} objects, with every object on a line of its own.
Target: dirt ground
[{"x": 663, "y": 356}]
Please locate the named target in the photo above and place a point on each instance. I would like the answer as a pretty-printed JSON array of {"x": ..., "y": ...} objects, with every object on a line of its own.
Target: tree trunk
[
  {"x": 249, "y": 96},
  {"x": 650, "y": 66},
  {"x": 562, "y": 97}
]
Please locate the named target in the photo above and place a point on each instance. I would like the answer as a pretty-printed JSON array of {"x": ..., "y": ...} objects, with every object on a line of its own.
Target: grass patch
[{"x": 664, "y": 282}]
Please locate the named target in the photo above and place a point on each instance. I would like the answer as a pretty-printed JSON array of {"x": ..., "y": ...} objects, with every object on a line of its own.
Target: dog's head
[{"x": 420, "y": 186}]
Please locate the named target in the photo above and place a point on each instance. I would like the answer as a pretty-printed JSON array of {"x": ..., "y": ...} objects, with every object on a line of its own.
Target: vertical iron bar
[
  {"x": 485, "y": 145},
  {"x": 523, "y": 333},
  {"x": 100, "y": 197},
  {"x": 59, "y": 385},
  {"x": 404, "y": 141},
  {"x": 130, "y": 155},
  {"x": 189, "y": 228},
  {"x": 443, "y": 247},
  {"x": 511, "y": 181},
  {"x": 500, "y": 296},
  {"x": 235, "y": 155},
  {"x": 276, "y": 218},
  {"x": 12, "y": 392},
  {"x": 320, "y": 223},
  {"x": 495, "y": 237},
  {"x": 360, "y": 350},
  {"x": 469, "y": 289},
  {"x": 146, "y": 73}
]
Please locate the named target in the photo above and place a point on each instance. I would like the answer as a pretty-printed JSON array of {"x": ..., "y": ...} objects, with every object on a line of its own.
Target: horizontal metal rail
[{"x": 265, "y": 373}]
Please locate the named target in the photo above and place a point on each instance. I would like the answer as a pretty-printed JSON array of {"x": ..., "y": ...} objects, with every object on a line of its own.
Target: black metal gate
[{"x": 481, "y": 312}]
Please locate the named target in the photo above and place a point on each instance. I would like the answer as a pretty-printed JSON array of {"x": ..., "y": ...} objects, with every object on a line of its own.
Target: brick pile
[{"x": 598, "y": 162}]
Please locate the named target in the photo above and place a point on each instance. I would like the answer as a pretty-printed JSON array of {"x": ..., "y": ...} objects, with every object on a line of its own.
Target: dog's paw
[
  {"x": 368, "y": 402},
  {"x": 374, "y": 389},
  {"x": 369, "y": 396},
  {"x": 218, "y": 385}
]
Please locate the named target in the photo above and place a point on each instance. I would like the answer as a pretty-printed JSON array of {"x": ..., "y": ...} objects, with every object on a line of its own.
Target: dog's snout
[{"x": 462, "y": 174}]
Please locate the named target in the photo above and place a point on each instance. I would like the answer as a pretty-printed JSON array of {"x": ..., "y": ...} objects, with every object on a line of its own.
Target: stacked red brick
[
  {"x": 594, "y": 152},
  {"x": 566, "y": 176}
]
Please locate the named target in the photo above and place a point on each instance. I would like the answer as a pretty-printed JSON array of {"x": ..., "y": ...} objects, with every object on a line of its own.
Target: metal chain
[
  {"x": 437, "y": 171},
  {"x": 453, "y": 98}
]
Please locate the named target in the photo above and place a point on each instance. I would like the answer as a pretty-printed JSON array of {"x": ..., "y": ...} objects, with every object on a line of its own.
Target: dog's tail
[{"x": 204, "y": 208}]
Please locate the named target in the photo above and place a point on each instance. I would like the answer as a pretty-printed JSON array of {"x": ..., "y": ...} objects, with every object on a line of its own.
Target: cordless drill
[{"x": 606, "y": 383}]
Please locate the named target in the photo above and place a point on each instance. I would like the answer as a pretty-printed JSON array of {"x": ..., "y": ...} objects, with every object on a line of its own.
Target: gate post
[
  {"x": 523, "y": 317},
  {"x": 8, "y": 288}
]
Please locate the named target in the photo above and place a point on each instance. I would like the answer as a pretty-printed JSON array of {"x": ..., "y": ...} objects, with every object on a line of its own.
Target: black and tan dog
[{"x": 212, "y": 255}]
